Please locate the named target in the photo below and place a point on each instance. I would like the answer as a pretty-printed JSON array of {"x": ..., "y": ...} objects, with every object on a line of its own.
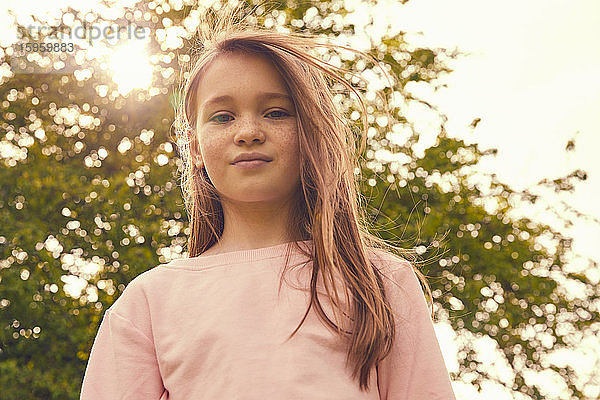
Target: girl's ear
[{"x": 195, "y": 153}]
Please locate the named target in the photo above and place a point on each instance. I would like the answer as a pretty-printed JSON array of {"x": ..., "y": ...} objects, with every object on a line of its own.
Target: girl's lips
[{"x": 251, "y": 164}]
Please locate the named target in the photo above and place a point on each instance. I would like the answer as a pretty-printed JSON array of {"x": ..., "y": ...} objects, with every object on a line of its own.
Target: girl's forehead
[
  {"x": 239, "y": 73},
  {"x": 239, "y": 66}
]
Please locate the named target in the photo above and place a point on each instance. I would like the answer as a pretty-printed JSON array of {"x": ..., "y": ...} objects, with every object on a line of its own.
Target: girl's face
[{"x": 244, "y": 107}]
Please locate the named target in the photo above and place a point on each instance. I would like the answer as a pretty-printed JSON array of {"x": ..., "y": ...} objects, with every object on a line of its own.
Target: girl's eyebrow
[{"x": 261, "y": 96}]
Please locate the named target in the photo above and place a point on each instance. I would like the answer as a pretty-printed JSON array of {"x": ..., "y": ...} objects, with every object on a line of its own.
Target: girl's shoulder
[
  {"x": 401, "y": 282},
  {"x": 388, "y": 262},
  {"x": 396, "y": 271},
  {"x": 135, "y": 289}
]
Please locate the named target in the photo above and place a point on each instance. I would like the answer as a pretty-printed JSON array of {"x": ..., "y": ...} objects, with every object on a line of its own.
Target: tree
[{"x": 89, "y": 199}]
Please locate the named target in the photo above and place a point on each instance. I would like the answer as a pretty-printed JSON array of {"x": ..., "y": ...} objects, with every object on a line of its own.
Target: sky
[{"x": 531, "y": 77}]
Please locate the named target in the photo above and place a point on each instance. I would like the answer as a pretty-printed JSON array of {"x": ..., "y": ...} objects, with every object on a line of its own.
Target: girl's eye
[
  {"x": 219, "y": 116},
  {"x": 278, "y": 111},
  {"x": 277, "y": 114}
]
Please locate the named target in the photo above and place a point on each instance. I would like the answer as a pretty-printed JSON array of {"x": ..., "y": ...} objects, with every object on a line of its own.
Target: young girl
[{"x": 285, "y": 294}]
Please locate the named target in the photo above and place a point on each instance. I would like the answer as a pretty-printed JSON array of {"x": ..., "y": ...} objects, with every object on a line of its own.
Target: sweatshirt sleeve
[
  {"x": 122, "y": 363},
  {"x": 415, "y": 368}
]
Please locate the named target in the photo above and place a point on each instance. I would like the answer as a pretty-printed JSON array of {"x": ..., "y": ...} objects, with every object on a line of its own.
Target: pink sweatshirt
[{"x": 214, "y": 327}]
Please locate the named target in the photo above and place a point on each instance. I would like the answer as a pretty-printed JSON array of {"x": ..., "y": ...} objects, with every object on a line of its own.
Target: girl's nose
[{"x": 249, "y": 130}]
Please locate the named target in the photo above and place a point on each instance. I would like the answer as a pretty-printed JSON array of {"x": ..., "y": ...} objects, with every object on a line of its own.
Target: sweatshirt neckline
[{"x": 242, "y": 256}]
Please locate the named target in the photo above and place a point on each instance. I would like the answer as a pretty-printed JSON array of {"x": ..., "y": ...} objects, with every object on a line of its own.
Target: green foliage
[{"x": 76, "y": 201}]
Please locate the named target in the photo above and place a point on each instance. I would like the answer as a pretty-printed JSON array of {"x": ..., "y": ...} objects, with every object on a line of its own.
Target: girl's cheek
[
  {"x": 209, "y": 138},
  {"x": 286, "y": 133},
  {"x": 291, "y": 139},
  {"x": 211, "y": 149}
]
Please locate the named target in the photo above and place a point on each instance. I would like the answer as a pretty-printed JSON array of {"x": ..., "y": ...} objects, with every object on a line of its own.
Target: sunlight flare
[{"x": 130, "y": 68}]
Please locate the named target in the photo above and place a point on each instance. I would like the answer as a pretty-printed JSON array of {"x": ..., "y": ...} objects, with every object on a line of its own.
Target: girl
[{"x": 272, "y": 199}]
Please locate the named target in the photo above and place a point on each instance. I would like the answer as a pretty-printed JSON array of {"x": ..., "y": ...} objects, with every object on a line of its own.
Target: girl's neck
[{"x": 250, "y": 226}]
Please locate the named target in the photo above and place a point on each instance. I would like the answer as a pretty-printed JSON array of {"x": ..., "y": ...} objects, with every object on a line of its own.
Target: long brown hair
[{"x": 328, "y": 207}]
